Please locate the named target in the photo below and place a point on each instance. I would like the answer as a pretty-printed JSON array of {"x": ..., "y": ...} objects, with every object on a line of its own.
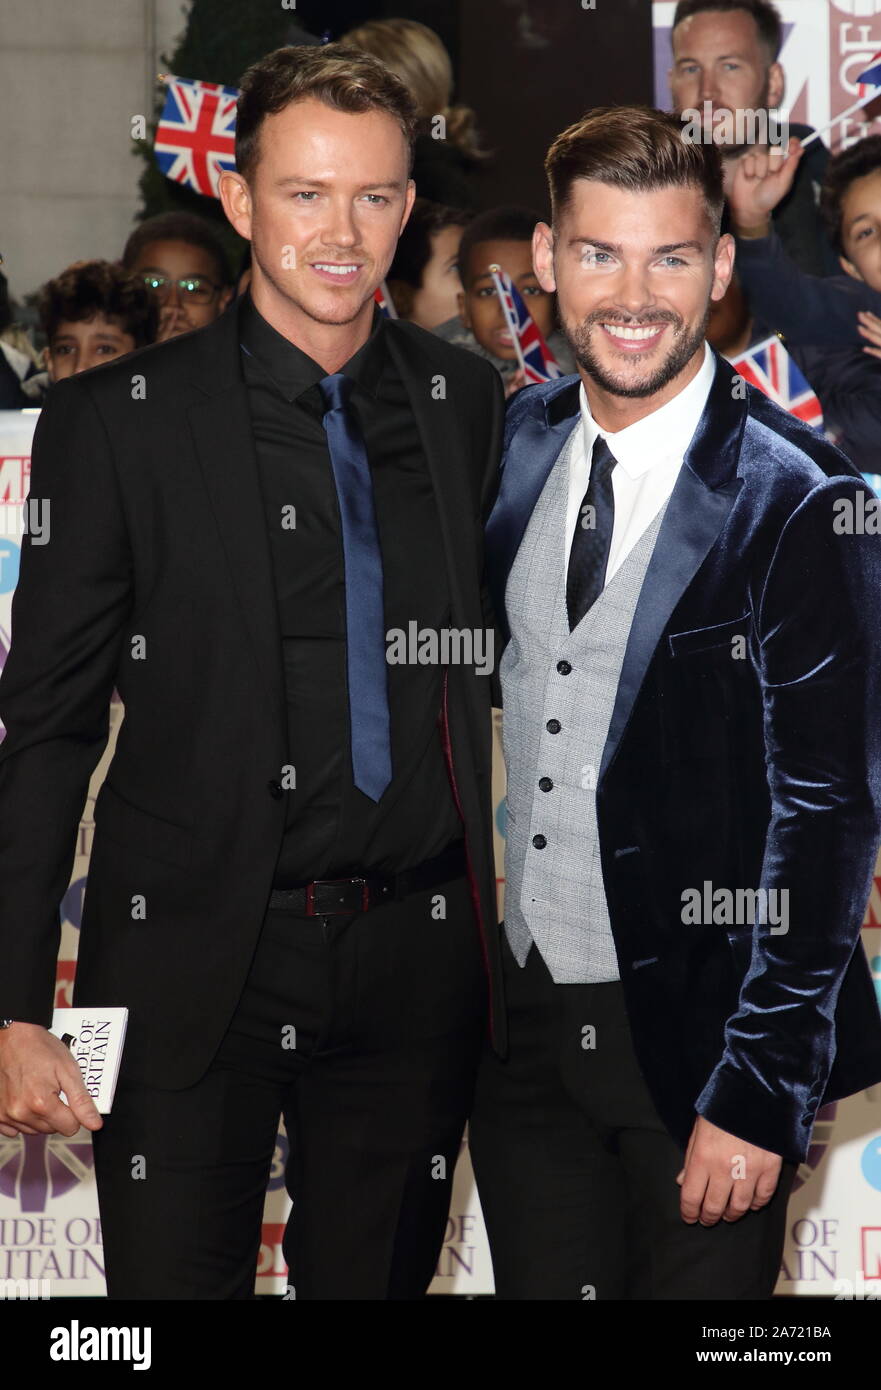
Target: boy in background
[
  {"x": 91, "y": 313},
  {"x": 423, "y": 279},
  {"x": 502, "y": 236},
  {"x": 182, "y": 260},
  {"x": 822, "y": 319}
]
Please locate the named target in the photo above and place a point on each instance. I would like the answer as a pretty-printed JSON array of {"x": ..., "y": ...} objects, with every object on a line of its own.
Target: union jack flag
[
  {"x": 384, "y": 300},
  {"x": 195, "y": 137},
  {"x": 870, "y": 78},
  {"x": 769, "y": 367},
  {"x": 535, "y": 357}
]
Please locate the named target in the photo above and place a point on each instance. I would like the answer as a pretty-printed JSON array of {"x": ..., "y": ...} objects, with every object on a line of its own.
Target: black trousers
[
  {"x": 364, "y": 1032},
  {"x": 577, "y": 1173}
]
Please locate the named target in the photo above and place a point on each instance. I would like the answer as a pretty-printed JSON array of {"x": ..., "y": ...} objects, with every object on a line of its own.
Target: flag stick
[
  {"x": 863, "y": 101},
  {"x": 495, "y": 271}
]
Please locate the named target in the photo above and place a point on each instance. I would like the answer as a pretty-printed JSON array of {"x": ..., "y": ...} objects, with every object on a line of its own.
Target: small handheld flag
[
  {"x": 533, "y": 354},
  {"x": 195, "y": 137},
  {"x": 769, "y": 367},
  {"x": 385, "y": 301},
  {"x": 869, "y": 81}
]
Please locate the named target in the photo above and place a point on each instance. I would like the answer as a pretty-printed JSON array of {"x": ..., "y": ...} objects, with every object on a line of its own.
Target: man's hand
[
  {"x": 515, "y": 382},
  {"x": 34, "y": 1067},
  {"x": 723, "y": 1176},
  {"x": 760, "y": 179}
]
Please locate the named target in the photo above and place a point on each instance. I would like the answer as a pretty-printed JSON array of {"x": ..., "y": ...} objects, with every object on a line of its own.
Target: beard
[{"x": 683, "y": 347}]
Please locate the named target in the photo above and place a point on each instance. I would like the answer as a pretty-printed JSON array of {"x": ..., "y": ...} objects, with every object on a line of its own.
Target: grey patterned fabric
[{"x": 554, "y": 895}]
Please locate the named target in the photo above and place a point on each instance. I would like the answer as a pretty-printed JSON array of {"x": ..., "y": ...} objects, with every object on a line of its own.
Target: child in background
[
  {"x": 423, "y": 279},
  {"x": 823, "y": 320},
  {"x": 91, "y": 313},
  {"x": 502, "y": 237}
]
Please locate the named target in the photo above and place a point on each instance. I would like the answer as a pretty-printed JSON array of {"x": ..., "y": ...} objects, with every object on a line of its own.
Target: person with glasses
[{"x": 183, "y": 262}]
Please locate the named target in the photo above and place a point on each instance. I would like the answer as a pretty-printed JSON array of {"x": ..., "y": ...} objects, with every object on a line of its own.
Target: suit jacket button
[
  {"x": 553, "y": 726},
  {"x": 564, "y": 668},
  {"x": 545, "y": 783},
  {"x": 275, "y": 789},
  {"x": 539, "y": 841}
]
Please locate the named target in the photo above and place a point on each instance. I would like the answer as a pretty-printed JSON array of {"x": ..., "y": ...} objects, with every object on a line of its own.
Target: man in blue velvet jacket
[{"x": 687, "y": 581}]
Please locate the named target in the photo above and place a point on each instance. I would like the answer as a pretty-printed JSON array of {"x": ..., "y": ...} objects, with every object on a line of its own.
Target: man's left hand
[{"x": 724, "y": 1177}]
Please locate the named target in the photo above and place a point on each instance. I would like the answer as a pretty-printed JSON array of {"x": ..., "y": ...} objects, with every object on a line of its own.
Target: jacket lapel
[
  {"x": 221, "y": 427},
  {"x": 532, "y": 452},
  {"x": 702, "y": 497}
]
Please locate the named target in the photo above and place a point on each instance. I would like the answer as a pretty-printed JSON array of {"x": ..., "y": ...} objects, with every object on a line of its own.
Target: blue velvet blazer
[{"x": 757, "y": 772}]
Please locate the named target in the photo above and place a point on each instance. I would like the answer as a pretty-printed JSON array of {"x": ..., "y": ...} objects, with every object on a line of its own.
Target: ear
[
  {"x": 235, "y": 196},
  {"x": 723, "y": 267},
  {"x": 776, "y": 84},
  {"x": 849, "y": 268},
  {"x": 543, "y": 257},
  {"x": 462, "y": 303}
]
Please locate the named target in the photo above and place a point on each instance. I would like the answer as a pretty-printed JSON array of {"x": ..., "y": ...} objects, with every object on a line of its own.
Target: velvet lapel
[
  {"x": 528, "y": 461},
  {"x": 221, "y": 426},
  {"x": 702, "y": 497}
]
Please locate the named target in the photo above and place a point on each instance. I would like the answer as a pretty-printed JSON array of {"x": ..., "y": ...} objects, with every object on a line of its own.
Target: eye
[
  {"x": 731, "y": 67},
  {"x": 863, "y": 233},
  {"x": 306, "y": 194},
  {"x": 532, "y": 290},
  {"x": 485, "y": 292},
  {"x": 377, "y": 200},
  {"x": 673, "y": 261},
  {"x": 592, "y": 257}
]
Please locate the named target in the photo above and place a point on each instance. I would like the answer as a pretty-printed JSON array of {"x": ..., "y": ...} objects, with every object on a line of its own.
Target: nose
[
  {"x": 173, "y": 294},
  {"x": 708, "y": 86},
  {"x": 341, "y": 229},
  {"x": 634, "y": 294}
]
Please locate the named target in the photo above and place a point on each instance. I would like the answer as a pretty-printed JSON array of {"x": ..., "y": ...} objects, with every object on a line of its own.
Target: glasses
[{"x": 194, "y": 289}]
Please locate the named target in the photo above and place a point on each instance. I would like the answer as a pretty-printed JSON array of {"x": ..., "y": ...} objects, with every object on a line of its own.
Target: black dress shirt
[{"x": 331, "y": 828}]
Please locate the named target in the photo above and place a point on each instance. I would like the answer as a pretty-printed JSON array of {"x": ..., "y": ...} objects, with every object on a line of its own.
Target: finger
[
  {"x": 9, "y": 1131},
  {"x": 715, "y": 1200},
  {"x": 873, "y": 352},
  {"x": 766, "y": 1186},
  {"x": 694, "y": 1186},
  {"x": 740, "y": 1200}
]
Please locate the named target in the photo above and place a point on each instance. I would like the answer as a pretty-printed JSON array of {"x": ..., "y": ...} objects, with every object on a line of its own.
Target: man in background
[{"x": 727, "y": 53}]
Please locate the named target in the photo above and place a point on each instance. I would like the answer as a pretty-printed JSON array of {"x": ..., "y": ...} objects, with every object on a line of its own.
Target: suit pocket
[
  {"x": 140, "y": 831},
  {"x": 703, "y": 639}
]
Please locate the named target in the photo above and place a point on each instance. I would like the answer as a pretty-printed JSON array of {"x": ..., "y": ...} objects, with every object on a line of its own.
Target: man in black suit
[
  {"x": 691, "y": 693},
  {"x": 291, "y": 884}
]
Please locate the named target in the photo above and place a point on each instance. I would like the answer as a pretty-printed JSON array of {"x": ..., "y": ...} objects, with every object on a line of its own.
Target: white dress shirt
[{"x": 649, "y": 456}]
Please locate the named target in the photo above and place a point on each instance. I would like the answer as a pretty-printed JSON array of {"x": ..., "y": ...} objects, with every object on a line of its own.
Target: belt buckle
[{"x": 328, "y": 883}]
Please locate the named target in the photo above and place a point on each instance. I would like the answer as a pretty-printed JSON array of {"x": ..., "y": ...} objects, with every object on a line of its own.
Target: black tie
[{"x": 592, "y": 540}]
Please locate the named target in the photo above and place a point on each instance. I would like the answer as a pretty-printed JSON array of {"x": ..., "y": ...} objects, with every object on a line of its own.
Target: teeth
[
  {"x": 335, "y": 269},
  {"x": 630, "y": 334}
]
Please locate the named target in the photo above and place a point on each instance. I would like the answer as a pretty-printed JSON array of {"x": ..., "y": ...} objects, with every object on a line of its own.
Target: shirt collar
[
  {"x": 293, "y": 371},
  {"x": 660, "y": 437}
]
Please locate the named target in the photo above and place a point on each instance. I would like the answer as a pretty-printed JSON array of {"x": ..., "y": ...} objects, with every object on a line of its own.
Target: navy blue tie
[
  {"x": 592, "y": 539},
  {"x": 365, "y": 619}
]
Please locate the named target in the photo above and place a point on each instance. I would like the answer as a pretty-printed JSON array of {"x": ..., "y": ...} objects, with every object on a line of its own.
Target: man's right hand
[
  {"x": 34, "y": 1067},
  {"x": 759, "y": 181}
]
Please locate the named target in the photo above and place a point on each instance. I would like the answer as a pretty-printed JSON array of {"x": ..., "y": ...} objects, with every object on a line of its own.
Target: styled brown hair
[
  {"x": 636, "y": 148},
  {"x": 341, "y": 77}
]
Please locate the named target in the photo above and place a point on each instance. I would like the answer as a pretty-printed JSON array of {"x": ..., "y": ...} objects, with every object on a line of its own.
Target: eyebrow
[
  {"x": 323, "y": 183},
  {"x": 722, "y": 58},
  {"x": 524, "y": 275},
  {"x": 614, "y": 249}
]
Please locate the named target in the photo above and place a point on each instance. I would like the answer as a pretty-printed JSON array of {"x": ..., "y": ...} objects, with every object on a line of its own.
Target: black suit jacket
[
  {"x": 157, "y": 580},
  {"x": 744, "y": 752}
]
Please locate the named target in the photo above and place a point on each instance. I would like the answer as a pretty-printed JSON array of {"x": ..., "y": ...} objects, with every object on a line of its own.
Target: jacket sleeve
[
  {"x": 488, "y": 497},
  {"x": 820, "y": 670},
  {"x": 68, "y": 614},
  {"x": 809, "y": 310}
]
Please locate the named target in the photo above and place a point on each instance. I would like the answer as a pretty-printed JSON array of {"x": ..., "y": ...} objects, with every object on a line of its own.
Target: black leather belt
[{"x": 330, "y": 897}]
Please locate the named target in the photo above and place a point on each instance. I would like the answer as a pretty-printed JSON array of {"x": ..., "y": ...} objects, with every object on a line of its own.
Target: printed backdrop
[{"x": 49, "y": 1225}]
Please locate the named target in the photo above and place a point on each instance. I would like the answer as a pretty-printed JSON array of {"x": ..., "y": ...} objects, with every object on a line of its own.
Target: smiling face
[
  {"x": 861, "y": 229},
  {"x": 634, "y": 273},
  {"x": 479, "y": 304},
  {"x": 720, "y": 58},
  {"x": 323, "y": 209}
]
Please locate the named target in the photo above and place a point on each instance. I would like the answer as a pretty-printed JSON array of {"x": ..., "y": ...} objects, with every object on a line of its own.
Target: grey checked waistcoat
[{"x": 554, "y": 895}]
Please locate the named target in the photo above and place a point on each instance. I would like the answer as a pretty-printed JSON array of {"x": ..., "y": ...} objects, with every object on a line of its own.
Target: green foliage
[{"x": 222, "y": 39}]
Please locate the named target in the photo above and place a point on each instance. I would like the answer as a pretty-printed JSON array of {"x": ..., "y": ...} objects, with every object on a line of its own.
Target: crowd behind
[{"x": 812, "y": 275}]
